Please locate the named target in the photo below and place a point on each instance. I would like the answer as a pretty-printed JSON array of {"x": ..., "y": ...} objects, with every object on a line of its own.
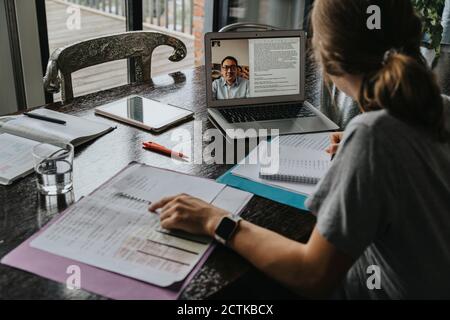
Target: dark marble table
[{"x": 225, "y": 274}]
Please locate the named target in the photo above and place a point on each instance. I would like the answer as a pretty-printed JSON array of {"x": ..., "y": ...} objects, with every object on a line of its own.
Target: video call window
[{"x": 251, "y": 68}]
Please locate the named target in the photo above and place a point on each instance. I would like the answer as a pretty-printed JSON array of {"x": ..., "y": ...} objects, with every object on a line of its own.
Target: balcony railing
[{"x": 176, "y": 15}]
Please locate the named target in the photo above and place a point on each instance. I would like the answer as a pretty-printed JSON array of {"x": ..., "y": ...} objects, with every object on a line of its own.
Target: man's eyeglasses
[{"x": 231, "y": 68}]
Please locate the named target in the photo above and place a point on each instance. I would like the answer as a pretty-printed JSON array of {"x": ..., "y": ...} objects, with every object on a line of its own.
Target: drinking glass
[{"x": 53, "y": 163}]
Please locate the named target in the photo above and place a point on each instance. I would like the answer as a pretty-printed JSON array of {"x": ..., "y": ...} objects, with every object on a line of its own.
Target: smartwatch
[{"x": 226, "y": 228}]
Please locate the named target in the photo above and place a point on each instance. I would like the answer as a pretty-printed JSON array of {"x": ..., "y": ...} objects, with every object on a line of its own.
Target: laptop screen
[{"x": 255, "y": 67}]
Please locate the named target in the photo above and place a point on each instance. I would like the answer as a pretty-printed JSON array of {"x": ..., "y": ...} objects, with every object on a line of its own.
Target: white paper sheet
[
  {"x": 312, "y": 141},
  {"x": 16, "y": 158},
  {"x": 116, "y": 233},
  {"x": 152, "y": 184}
]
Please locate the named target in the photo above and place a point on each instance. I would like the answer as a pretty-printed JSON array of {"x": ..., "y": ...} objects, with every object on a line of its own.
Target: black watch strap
[{"x": 226, "y": 228}]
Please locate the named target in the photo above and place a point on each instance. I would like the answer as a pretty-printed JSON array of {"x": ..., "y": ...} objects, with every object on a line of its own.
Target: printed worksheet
[{"x": 112, "y": 229}]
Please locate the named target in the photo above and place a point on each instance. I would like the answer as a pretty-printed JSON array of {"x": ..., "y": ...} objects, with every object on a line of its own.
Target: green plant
[{"x": 431, "y": 14}]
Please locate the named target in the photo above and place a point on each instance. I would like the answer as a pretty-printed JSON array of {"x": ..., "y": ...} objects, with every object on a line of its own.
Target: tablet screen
[{"x": 151, "y": 113}]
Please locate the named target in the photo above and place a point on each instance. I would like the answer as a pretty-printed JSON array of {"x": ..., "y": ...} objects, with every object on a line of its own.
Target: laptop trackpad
[
  {"x": 312, "y": 124},
  {"x": 280, "y": 125}
]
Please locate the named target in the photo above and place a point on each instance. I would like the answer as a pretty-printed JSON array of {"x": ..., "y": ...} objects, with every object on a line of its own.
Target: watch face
[{"x": 225, "y": 228}]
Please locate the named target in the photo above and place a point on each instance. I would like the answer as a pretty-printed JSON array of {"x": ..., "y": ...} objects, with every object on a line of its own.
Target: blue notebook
[{"x": 266, "y": 191}]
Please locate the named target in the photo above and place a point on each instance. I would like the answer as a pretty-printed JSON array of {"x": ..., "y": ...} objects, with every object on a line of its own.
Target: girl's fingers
[{"x": 161, "y": 203}]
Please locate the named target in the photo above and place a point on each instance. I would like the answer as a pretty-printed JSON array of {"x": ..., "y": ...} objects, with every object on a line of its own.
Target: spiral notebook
[{"x": 299, "y": 165}]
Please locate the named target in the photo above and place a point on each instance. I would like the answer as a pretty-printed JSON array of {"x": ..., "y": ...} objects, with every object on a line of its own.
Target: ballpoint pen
[
  {"x": 159, "y": 148},
  {"x": 44, "y": 118}
]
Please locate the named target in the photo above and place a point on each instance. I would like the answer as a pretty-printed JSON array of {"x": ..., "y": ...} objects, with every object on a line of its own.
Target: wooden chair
[
  {"x": 248, "y": 26},
  {"x": 137, "y": 44}
]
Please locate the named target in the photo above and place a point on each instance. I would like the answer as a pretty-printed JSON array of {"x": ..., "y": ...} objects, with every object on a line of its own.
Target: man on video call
[{"x": 230, "y": 85}]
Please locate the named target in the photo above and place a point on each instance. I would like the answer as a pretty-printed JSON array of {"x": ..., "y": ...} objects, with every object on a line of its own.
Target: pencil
[{"x": 44, "y": 118}]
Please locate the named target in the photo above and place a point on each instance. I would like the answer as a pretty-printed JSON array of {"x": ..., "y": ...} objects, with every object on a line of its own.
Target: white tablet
[{"x": 145, "y": 113}]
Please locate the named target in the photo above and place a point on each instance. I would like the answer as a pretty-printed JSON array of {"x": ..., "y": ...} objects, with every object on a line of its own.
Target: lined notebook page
[
  {"x": 312, "y": 141},
  {"x": 300, "y": 165}
]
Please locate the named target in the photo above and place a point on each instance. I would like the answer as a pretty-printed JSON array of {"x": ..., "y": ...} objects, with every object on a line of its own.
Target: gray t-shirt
[{"x": 386, "y": 203}]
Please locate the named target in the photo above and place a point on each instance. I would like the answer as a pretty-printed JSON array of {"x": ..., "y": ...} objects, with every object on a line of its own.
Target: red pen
[{"x": 159, "y": 148}]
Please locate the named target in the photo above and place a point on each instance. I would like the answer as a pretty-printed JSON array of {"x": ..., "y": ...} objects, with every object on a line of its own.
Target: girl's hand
[
  {"x": 183, "y": 212},
  {"x": 335, "y": 140}
]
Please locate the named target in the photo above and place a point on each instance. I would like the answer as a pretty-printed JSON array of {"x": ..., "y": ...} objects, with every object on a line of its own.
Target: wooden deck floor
[{"x": 109, "y": 74}]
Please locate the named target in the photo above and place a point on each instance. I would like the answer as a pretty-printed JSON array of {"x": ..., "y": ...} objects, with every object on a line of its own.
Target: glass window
[
  {"x": 71, "y": 21},
  {"x": 176, "y": 18},
  {"x": 286, "y": 14}
]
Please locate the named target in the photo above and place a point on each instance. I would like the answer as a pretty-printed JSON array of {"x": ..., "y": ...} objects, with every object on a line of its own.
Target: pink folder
[{"x": 95, "y": 280}]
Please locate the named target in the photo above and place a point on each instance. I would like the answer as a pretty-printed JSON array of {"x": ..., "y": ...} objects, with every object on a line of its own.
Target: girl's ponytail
[
  {"x": 397, "y": 80},
  {"x": 408, "y": 89}
]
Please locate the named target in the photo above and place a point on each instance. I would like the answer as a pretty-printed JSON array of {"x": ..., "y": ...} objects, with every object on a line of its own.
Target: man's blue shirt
[{"x": 238, "y": 90}]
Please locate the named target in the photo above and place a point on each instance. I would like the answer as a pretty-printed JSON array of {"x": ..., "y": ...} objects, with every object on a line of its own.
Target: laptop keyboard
[{"x": 264, "y": 113}]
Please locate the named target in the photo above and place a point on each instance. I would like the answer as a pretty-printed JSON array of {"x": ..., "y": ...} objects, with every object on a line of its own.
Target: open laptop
[{"x": 256, "y": 80}]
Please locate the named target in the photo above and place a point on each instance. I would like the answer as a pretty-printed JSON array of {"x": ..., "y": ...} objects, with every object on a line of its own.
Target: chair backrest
[
  {"x": 248, "y": 26},
  {"x": 137, "y": 44}
]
